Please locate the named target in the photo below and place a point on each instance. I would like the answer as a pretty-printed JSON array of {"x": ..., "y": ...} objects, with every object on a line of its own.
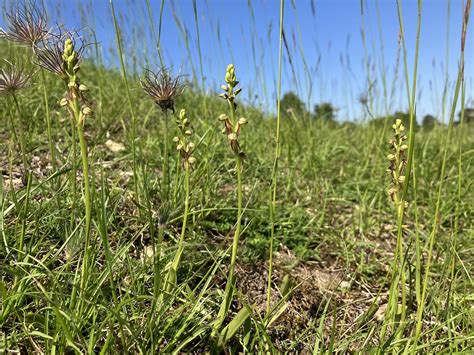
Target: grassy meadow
[{"x": 130, "y": 226}]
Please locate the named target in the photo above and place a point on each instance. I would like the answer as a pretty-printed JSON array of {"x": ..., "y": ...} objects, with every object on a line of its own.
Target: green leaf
[{"x": 229, "y": 331}]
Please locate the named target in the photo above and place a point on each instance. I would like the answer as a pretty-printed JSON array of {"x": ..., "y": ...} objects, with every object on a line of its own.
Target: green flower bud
[
  {"x": 223, "y": 117},
  {"x": 68, "y": 47},
  {"x": 176, "y": 139},
  {"x": 391, "y": 157},
  {"x": 82, "y": 87},
  {"x": 232, "y": 136},
  {"x": 191, "y": 160},
  {"x": 182, "y": 114},
  {"x": 230, "y": 75},
  {"x": 188, "y": 132},
  {"x": 401, "y": 179},
  {"x": 403, "y": 147}
]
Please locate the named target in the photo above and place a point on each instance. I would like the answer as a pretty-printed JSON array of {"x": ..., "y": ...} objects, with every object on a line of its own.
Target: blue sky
[{"x": 328, "y": 59}]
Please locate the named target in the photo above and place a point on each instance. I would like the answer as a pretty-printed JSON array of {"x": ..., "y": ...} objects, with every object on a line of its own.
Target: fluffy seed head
[
  {"x": 162, "y": 87},
  {"x": 26, "y": 24},
  {"x": 13, "y": 78}
]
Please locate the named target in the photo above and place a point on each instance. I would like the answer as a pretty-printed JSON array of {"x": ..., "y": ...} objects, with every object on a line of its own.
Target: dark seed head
[{"x": 162, "y": 87}]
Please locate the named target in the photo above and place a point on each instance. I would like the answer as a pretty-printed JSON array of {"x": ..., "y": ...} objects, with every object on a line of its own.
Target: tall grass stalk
[
  {"x": 133, "y": 134},
  {"x": 383, "y": 74},
  {"x": 196, "y": 21},
  {"x": 447, "y": 142},
  {"x": 453, "y": 243},
  {"x": 184, "y": 32},
  {"x": 275, "y": 163},
  {"x": 156, "y": 36},
  {"x": 446, "y": 64}
]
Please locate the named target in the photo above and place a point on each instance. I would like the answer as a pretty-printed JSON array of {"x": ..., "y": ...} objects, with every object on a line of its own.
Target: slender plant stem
[
  {"x": 196, "y": 21},
  {"x": 87, "y": 190},
  {"x": 436, "y": 221},
  {"x": 76, "y": 116},
  {"x": 52, "y": 150},
  {"x": 411, "y": 134},
  {"x": 73, "y": 176},
  {"x": 166, "y": 159},
  {"x": 133, "y": 134},
  {"x": 230, "y": 285},
  {"x": 179, "y": 253},
  {"x": 275, "y": 164},
  {"x": 24, "y": 215},
  {"x": 157, "y": 37},
  {"x": 235, "y": 243},
  {"x": 411, "y": 94},
  {"x": 176, "y": 180},
  {"x": 454, "y": 236},
  {"x": 21, "y": 136}
]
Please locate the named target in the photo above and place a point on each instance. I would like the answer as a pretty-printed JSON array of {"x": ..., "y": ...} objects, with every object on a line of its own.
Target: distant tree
[
  {"x": 429, "y": 122},
  {"x": 291, "y": 101},
  {"x": 325, "y": 111},
  {"x": 468, "y": 115}
]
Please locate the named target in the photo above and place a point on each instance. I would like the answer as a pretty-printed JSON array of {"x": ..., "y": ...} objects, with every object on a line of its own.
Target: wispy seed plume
[
  {"x": 13, "y": 78},
  {"x": 162, "y": 87},
  {"x": 26, "y": 24}
]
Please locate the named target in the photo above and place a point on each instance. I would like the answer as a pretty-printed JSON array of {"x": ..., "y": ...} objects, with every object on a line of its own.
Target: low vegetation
[{"x": 139, "y": 214}]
